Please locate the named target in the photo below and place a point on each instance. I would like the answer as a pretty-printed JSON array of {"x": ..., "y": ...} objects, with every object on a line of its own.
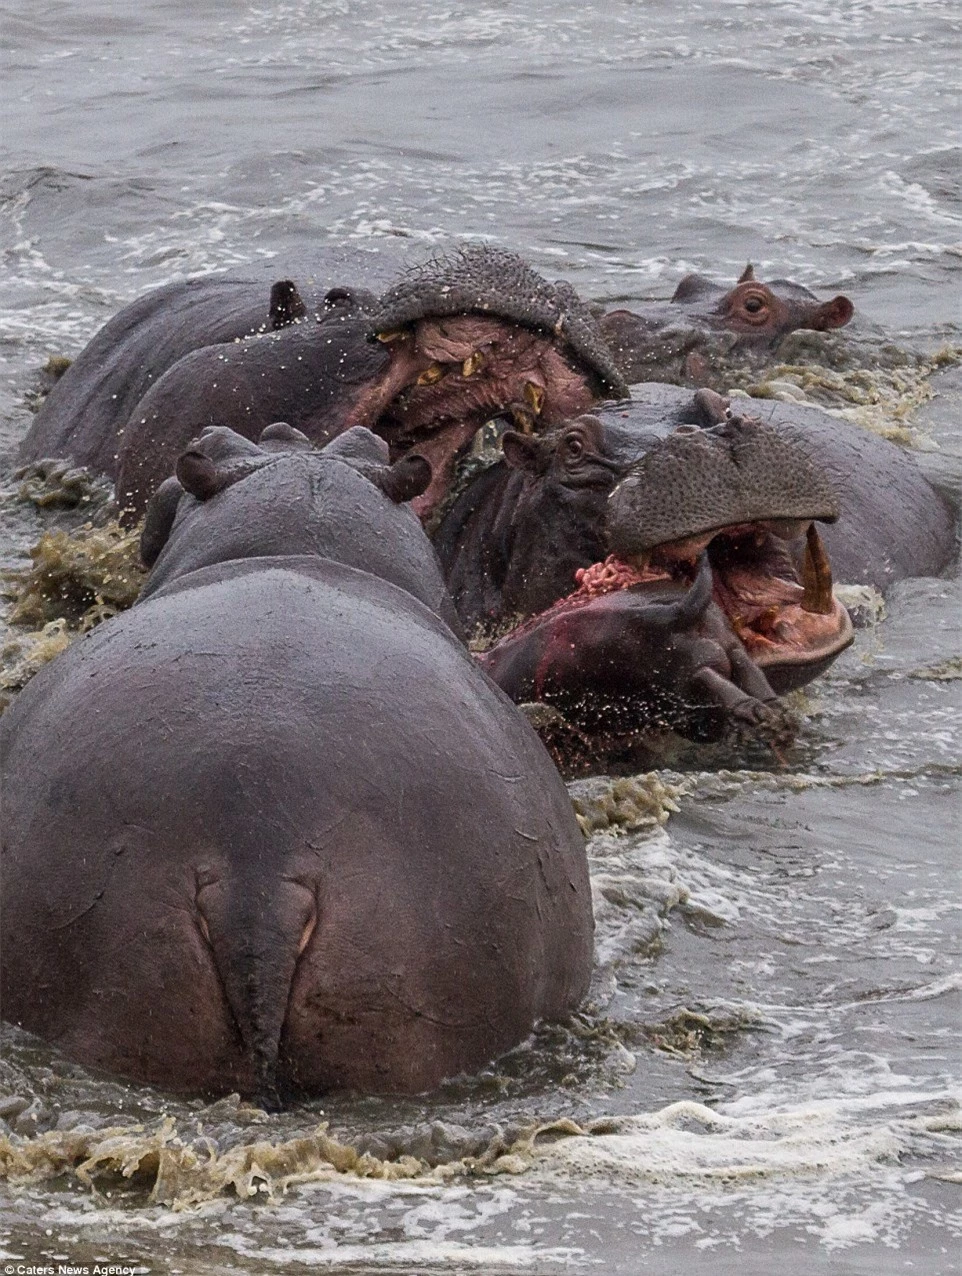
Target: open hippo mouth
[
  {"x": 714, "y": 598},
  {"x": 472, "y": 336},
  {"x": 741, "y": 494},
  {"x": 787, "y": 618}
]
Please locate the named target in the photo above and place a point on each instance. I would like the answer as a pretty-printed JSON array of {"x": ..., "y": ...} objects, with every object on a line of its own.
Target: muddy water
[{"x": 766, "y": 1074}]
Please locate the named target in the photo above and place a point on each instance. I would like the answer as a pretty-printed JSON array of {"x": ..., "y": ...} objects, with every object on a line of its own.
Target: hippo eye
[
  {"x": 574, "y": 447},
  {"x": 753, "y": 305}
]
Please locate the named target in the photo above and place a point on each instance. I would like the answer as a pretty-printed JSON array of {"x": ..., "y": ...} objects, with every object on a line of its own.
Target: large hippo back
[
  {"x": 84, "y": 411},
  {"x": 271, "y": 830}
]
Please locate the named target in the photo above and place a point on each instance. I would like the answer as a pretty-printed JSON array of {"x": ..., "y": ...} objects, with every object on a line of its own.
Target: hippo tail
[{"x": 257, "y": 938}]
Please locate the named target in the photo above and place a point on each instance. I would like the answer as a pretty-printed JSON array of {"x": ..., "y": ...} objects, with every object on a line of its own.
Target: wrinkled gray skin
[
  {"x": 621, "y": 667},
  {"x": 705, "y": 323},
  {"x": 892, "y": 523},
  {"x": 85, "y": 410},
  {"x": 452, "y": 342},
  {"x": 271, "y": 830}
]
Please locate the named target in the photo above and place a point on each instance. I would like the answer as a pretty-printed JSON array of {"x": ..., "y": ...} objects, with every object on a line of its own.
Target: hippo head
[
  {"x": 705, "y": 321},
  {"x": 233, "y": 499},
  {"x": 759, "y": 311},
  {"x": 472, "y": 335},
  {"x": 624, "y": 566}
]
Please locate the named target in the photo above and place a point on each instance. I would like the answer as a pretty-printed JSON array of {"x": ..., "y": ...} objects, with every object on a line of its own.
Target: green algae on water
[
  {"x": 82, "y": 577},
  {"x": 21, "y": 658},
  {"x": 628, "y": 804}
]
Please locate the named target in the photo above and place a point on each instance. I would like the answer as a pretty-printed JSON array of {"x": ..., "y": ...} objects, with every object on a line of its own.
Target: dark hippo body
[
  {"x": 705, "y": 322},
  {"x": 451, "y": 343},
  {"x": 84, "y": 411},
  {"x": 271, "y": 830}
]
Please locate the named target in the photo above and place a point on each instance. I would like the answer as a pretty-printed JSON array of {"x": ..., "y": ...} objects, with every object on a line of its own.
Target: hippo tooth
[
  {"x": 472, "y": 363},
  {"x": 535, "y": 395},
  {"x": 816, "y": 576},
  {"x": 431, "y": 374},
  {"x": 393, "y": 335},
  {"x": 639, "y": 561},
  {"x": 522, "y": 419}
]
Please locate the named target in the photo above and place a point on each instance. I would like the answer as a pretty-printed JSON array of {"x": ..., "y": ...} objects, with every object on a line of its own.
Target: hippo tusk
[
  {"x": 522, "y": 418},
  {"x": 816, "y": 576},
  {"x": 431, "y": 374},
  {"x": 534, "y": 395},
  {"x": 472, "y": 363}
]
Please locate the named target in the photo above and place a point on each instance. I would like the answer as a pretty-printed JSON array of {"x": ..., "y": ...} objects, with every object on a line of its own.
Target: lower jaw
[{"x": 793, "y": 675}]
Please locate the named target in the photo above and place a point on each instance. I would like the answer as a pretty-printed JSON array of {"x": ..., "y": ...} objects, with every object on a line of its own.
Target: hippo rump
[
  {"x": 454, "y": 341},
  {"x": 82, "y": 416},
  {"x": 631, "y": 571},
  {"x": 705, "y": 322},
  {"x": 271, "y": 830}
]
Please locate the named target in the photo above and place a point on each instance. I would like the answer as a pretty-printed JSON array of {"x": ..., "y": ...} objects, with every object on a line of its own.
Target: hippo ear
[
  {"x": 521, "y": 451},
  {"x": 286, "y": 306},
  {"x": 281, "y": 437},
  {"x": 833, "y": 314},
  {"x": 349, "y": 300},
  {"x": 201, "y": 476},
  {"x": 405, "y": 479},
  {"x": 161, "y": 512},
  {"x": 690, "y": 288},
  {"x": 748, "y": 275},
  {"x": 358, "y": 446}
]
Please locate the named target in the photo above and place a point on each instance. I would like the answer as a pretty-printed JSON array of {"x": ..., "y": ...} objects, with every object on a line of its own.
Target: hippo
[
  {"x": 272, "y": 830},
  {"x": 86, "y": 408},
  {"x": 893, "y": 523},
  {"x": 549, "y": 551},
  {"x": 631, "y": 570},
  {"x": 705, "y": 321},
  {"x": 467, "y": 335}
]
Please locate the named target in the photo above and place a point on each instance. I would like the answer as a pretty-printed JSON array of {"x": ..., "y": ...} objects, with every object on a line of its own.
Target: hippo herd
[{"x": 287, "y": 825}]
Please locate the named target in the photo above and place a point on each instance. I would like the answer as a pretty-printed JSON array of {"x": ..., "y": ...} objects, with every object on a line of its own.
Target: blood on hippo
[
  {"x": 580, "y": 554},
  {"x": 271, "y": 830}
]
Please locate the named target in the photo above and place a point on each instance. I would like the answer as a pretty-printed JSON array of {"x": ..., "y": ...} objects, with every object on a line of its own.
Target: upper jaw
[
  {"x": 700, "y": 481},
  {"x": 445, "y": 379}
]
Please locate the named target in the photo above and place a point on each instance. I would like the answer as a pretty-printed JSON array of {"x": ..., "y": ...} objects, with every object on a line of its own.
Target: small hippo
[
  {"x": 272, "y": 830},
  {"x": 705, "y": 322}
]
